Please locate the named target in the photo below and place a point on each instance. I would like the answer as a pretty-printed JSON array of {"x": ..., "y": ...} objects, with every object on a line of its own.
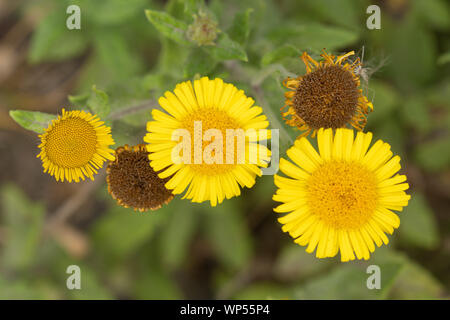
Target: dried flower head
[
  {"x": 132, "y": 181},
  {"x": 327, "y": 96}
]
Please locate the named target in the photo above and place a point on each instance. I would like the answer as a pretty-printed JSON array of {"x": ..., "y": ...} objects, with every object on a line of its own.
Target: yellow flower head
[
  {"x": 327, "y": 96},
  {"x": 75, "y": 145},
  {"x": 132, "y": 181},
  {"x": 340, "y": 199},
  {"x": 206, "y": 113}
]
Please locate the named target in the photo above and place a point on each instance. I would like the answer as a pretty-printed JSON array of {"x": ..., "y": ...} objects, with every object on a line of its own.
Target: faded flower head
[
  {"x": 327, "y": 96},
  {"x": 133, "y": 183}
]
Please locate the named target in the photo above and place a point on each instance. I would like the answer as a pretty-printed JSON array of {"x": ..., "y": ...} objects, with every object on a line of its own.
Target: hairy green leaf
[
  {"x": 227, "y": 49},
  {"x": 313, "y": 37},
  {"x": 198, "y": 62},
  {"x": 240, "y": 29},
  {"x": 444, "y": 58},
  {"x": 98, "y": 102},
  {"x": 228, "y": 234},
  {"x": 32, "y": 120},
  {"x": 179, "y": 231},
  {"x": 279, "y": 53},
  {"x": 23, "y": 221},
  {"x": 434, "y": 155},
  {"x": 52, "y": 41},
  {"x": 418, "y": 223},
  {"x": 170, "y": 27}
]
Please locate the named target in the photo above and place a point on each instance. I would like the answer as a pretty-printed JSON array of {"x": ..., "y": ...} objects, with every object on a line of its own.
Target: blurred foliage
[{"x": 135, "y": 50}]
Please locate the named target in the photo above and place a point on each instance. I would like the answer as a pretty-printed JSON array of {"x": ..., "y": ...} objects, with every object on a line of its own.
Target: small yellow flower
[
  {"x": 133, "y": 183},
  {"x": 340, "y": 199},
  {"x": 210, "y": 105},
  {"x": 75, "y": 145},
  {"x": 327, "y": 96}
]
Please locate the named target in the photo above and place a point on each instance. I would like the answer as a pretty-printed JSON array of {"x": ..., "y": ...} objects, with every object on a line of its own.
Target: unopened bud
[{"x": 203, "y": 30}]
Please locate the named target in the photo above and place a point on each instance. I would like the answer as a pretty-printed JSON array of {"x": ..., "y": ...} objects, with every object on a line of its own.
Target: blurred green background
[{"x": 236, "y": 250}]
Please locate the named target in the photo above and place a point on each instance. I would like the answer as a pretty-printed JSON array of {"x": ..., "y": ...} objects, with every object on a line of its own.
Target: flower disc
[
  {"x": 133, "y": 182},
  {"x": 75, "y": 145}
]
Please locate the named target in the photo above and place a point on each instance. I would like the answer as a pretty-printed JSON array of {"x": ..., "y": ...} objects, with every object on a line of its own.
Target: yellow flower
[
  {"x": 199, "y": 109},
  {"x": 340, "y": 199},
  {"x": 75, "y": 145},
  {"x": 132, "y": 181},
  {"x": 327, "y": 96}
]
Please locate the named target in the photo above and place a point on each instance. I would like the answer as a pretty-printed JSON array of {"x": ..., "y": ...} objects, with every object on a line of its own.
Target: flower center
[
  {"x": 327, "y": 97},
  {"x": 71, "y": 143},
  {"x": 342, "y": 194},
  {"x": 212, "y": 119}
]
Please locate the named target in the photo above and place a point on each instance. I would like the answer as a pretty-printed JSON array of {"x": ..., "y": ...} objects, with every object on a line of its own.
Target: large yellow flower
[
  {"x": 340, "y": 199},
  {"x": 207, "y": 106},
  {"x": 327, "y": 96},
  {"x": 75, "y": 145}
]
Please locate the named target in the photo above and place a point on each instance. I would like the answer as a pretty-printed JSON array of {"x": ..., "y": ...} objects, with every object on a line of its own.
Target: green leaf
[
  {"x": 418, "y": 224},
  {"x": 32, "y": 120},
  {"x": 98, "y": 102},
  {"x": 121, "y": 231},
  {"x": 313, "y": 37},
  {"x": 294, "y": 263},
  {"x": 192, "y": 7},
  {"x": 52, "y": 41},
  {"x": 391, "y": 131},
  {"x": 385, "y": 100},
  {"x": 342, "y": 12},
  {"x": 227, "y": 49},
  {"x": 198, "y": 62},
  {"x": 169, "y": 26},
  {"x": 228, "y": 234},
  {"x": 111, "y": 11},
  {"x": 435, "y": 12},
  {"x": 349, "y": 281},
  {"x": 433, "y": 155},
  {"x": 286, "y": 50},
  {"x": 79, "y": 100},
  {"x": 412, "y": 281},
  {"x": 155, "y": 283},
  {"x": 415, "y": 113},
  {"x": 21, "y": 289},
  {"x": 264, "y": 291},
  {"x": 115, "y": 56},
  {"x": 178, "y": 233},
  {"x": 317, "y": 37},
  {"x": 23, "y": 221},
  {"x": 401, "y": 42},
  {"x": 416, "y": 283},
  {"x": 444, "y": 59},
  {"x": 91, "y": 286},
  {"x": 240, "y": 29}
]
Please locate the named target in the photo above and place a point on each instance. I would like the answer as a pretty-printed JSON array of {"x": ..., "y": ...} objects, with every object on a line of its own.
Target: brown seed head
[
  {"x": 326, "y": 97},
  {"x": 133, "y": 182}
]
